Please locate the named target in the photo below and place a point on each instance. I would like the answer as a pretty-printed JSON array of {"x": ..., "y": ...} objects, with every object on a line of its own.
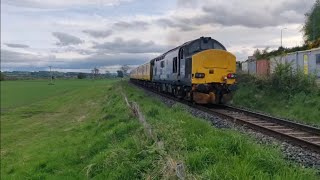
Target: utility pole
[
  {"x": 281, "y": 35},
  {"x": 51, "y": 80}
]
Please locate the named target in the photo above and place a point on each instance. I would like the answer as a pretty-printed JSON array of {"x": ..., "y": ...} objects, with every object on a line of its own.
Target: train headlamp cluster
[
  {"x": 231, "y": 76},
  {"x": 199, "y": 75}
]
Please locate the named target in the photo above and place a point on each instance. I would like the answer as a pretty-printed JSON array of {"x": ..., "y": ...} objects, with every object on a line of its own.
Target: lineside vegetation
[
  {"x": 286, "y": 93},
  {"x": 89, "y": 132}
]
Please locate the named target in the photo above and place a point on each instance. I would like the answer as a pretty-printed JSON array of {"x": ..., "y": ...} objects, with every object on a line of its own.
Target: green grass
[
  {"x": 209, "y": 153},
  {"x": 19, "y": 93},
  {"x": 85, "y": 130},
  {"x": 301, "y": 107}
]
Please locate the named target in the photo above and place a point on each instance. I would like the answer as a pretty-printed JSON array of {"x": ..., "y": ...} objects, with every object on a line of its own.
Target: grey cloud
[
  {"x": 97, "y": 33},
  {"x": 17, "y": 57},
  {"x": 54, "y": 4},
  {"x": 252, "y": 14},
  {"x": 255, "y": 15},
  {"x": 66, "y": 39},
  {"x": 12, "y": 45},
  {"x": 101, "y": 59},
  {"x": 187, "y": 3},
  {"x": 134, "y": 25},
  {"x": 131, "y": 46},
  {"x": 175, "y": 23},
  {"x": 299, "y": 6},
  {"x": 22, "y": 61},
  {"x": 118, "y": 26},
  {"x": 73, "y": 49}
]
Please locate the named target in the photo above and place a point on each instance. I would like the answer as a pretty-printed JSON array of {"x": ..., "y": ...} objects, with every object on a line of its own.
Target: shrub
[
  {"x": 82, "y": 76},
  {"x": 2, "y": 76},
  {"x": 289, "y": 81}
]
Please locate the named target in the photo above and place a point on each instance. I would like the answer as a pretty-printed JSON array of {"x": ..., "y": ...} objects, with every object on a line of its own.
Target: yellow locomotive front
[{"x": 213, "y": 76}]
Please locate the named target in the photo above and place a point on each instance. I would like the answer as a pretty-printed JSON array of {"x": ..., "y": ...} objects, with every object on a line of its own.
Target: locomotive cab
[
  {"x": 213, "y": 76},
  {"x": 210, "y": 70}
]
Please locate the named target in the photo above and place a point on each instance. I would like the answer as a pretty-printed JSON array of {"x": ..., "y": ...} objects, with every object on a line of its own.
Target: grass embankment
[
  {"x": 292, "y": 96},
  {"x": 89, "y": 131}
]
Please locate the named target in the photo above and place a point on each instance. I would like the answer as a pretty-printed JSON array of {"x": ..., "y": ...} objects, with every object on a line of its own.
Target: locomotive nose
[{"x": 214, "y": 65}]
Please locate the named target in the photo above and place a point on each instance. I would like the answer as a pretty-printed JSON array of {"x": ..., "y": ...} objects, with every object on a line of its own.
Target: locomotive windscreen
[{"x": 204, "y": 44}]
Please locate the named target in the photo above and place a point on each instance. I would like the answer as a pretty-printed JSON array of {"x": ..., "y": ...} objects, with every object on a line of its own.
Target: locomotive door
[{"x": 181, "y": 62}]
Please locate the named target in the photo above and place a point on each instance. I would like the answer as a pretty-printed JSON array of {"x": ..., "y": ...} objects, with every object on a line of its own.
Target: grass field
[
  {"x": 83, "y": 129},
  {"x": 19, "y": 93}
]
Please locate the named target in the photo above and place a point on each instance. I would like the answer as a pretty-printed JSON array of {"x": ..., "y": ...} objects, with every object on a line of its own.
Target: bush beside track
[
  {"x": 89, "y": 132},
  {"x": 288, "y": 94}
]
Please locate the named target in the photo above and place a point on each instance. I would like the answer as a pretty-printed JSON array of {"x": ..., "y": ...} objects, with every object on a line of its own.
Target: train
[{"x": 201, "y": 71}]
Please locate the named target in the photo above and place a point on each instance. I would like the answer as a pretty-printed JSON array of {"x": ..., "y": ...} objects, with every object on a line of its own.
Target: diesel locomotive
[{"x": 201, "y": 70}]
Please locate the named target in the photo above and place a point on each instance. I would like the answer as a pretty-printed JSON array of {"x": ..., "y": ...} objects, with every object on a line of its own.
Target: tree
[
  {"x": 107, "y": 74},
  {"x": 257, "y": 54},
  {"x": 311, "y": 28},
  {"x": 124, "y": 69},
  {"x": 82, "y": 76},
  {"x": 2, "y": 76},
  {"x": 120, "y": 74},
  {"x": 95, "y": 72}
]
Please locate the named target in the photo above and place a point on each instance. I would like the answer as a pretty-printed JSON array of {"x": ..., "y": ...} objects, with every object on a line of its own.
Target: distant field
[
  {"x": 83, "y": 129},
  {"x": 19, "y": 93}
]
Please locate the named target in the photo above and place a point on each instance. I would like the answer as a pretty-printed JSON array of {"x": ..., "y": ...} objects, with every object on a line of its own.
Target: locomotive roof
[{"x": 184, "y": 44}]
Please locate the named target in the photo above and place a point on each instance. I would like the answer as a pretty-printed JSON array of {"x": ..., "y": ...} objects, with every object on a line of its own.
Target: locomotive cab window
[
  {"x": 217, "y": 46},
  {"x": 162, "y": 64},
  {"x": 175, "y": 65},
  {"x": 194, "y": 47},
  {"x": 181, "y": 54}
]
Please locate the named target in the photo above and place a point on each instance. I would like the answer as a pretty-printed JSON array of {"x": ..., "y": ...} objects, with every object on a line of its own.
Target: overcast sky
[{"x": 77, "y": 35}]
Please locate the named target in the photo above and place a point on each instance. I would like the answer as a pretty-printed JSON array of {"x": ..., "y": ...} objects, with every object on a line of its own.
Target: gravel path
[{"x": 291, "y": 152}]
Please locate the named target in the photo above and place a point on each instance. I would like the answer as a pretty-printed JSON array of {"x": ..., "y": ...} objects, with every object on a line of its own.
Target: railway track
[{"x": 295, "y": 133}]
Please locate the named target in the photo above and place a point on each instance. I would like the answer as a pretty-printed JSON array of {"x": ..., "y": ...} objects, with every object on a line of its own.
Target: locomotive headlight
[
  {"x": 199, "y": 75},
  {"x": 231, "y": 76}
]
